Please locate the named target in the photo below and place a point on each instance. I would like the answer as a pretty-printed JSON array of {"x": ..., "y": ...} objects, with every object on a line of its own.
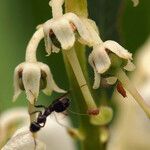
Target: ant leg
[
  {"x": 59, "y": 122},
  {"x": 40, "y": 106},
  {"x": 39, "y": 113},
  {"x": 65, "y": 113},
  {"x": 63, "y": 95}
]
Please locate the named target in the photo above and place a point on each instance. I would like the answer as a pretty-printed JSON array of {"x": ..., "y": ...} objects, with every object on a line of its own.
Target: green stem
[
  {"x": 86, "y": 128},
  {"x": 130, "y": 87},
  {"x": 73, "y": 60},
  {"x": 77, "y": 79}
]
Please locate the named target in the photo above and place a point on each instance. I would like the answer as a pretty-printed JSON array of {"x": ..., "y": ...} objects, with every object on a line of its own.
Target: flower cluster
[{"x": 61, "y": 32}]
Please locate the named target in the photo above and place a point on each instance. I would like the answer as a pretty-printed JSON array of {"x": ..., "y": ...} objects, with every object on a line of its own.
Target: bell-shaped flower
[
  {"x": 32, "y": 77},
  {"x": 100, "y": 61},
  {"x": 61, "y": 33}
]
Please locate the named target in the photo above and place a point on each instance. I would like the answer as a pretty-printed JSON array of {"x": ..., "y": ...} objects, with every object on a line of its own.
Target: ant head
[
  {"x": 34, "y": 127},
  {"x": 61, "y": 104},
  {"x": 41, "y": 119}
]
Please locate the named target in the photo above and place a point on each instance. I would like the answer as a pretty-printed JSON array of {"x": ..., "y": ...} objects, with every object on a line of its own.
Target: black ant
[{"x": 59, "y": 105}]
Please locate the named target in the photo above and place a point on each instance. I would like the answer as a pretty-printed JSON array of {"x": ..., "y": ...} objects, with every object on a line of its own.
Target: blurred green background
[{"x": 18, "y": 19}]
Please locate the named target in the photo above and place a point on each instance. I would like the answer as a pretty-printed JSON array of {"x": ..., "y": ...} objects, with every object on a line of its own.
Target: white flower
[
  {"x": 131, "y": 112},
  {"x": 10, "y": 120},
  {"x": 32, "y": 77},
  {"x": 23, "y": 140},
  {"x": 100, "y": 61},
  {"x": 53, "y": 135},
  {"x": 63, "y": 29}
]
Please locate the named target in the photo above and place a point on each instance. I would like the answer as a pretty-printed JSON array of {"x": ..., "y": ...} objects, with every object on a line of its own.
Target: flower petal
[
  {"x": 23, "y": 140},
  {"x": 48, "y": 44},
  {"x": 64, "y": 33},
  {"x": 17, "y": 89},
  {"x": 130, "y": 66},
  {"x": 93, "y": 31},
  {"x": 31, "y": 80},
  {"x": 47, "y": 39},
  {"x": 100, "y": 59},
  {"x": 97, "y": 80},
  {"x": 13, "y": 117},
  {"x": 51, "y": 85},
  {"x": 97, "y": 77},
  {"x": 55, "y": 49},
  {"x": 117, "y": 49},
  {"x": 111, "y": 80},
  {"x": 81, "y": 28}
]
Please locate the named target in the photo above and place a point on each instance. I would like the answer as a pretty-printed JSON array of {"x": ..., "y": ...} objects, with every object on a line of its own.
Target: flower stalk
[
  {"x": 123, "y": 78},
  {"x": 33, "y": 44},
  {"x": 57, "y": 10},
  {"x": 73, "y": 60},
  {"x": 78, "y": 7}
]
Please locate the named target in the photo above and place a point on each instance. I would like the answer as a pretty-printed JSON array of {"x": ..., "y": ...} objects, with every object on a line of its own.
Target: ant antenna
[
  {"x": 33, "y": 135},
  {"x": 34, "y": 144},
  {"x": 33, "y": 95},
  {"x": 76, "y": 113},
  {"x": 64, "y": 95}
]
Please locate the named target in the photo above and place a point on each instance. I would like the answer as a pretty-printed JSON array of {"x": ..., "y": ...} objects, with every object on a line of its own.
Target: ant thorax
[{"x": 61, "y": 105}]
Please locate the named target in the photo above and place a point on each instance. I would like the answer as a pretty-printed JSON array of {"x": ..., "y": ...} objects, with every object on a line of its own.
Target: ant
[{"x": 59, "y": 105}]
